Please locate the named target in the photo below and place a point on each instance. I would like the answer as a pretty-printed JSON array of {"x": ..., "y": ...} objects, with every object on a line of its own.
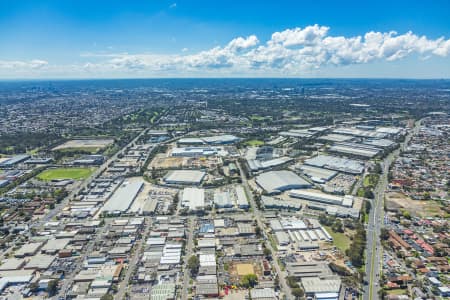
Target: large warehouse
[
  {"x": 184, "y": 177},
  {"x": 193, "y": 198},
  {"x": 278, "y": 181},
  {"x": 210, "y": 140},
  {"x": 336, "y": 163},
  {"x": 193, "y": 151},
  {"x": 123, "y": 197},
  {"x": 315, "y": 195}
]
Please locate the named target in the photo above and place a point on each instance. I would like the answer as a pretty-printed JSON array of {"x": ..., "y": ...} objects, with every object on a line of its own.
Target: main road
[
  {"x": 257, "y": 213},
  {"x": 374, "y": 253}
]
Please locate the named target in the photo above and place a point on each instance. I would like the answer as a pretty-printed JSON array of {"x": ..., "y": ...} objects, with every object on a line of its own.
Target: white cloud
[
  {"x": 17, "y": 65},
  {"x": 291, "y": 52}
]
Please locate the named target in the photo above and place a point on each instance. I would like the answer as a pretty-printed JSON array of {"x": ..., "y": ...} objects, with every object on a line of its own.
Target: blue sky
[{"x": 157, "y": 38}]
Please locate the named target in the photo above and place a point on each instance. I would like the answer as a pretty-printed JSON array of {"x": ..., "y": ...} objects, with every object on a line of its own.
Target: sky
[{"x": 59, "y": 39}]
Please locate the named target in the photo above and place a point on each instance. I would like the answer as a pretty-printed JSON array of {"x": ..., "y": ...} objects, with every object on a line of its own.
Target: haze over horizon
[{"x": 159, "y": 39}]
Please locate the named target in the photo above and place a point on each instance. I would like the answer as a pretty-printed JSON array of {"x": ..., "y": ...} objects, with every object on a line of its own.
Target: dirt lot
[
  {"x": 82, "y": 143},
  {"x": 161, "y": 161},
  {"x": 399, "y": 201},
  {"x": 233, "y": 269}
]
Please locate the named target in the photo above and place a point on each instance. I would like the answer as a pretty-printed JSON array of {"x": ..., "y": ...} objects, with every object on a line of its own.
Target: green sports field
[{"x": 65, "y": 173}]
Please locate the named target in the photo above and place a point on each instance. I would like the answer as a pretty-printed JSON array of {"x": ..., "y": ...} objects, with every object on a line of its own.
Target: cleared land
[
  {"x": 341, "y": 241},
  {"x": 91, "y": 145},
  {"x": 400, "y": 201},
  {"x": 253, "y": 143},
  {"x": 65, "y": 173}
]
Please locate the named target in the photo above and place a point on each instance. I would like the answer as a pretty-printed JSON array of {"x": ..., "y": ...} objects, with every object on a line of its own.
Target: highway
[
  {"x": 374, "y": 251},
  {"x": 257, "y": 213}
]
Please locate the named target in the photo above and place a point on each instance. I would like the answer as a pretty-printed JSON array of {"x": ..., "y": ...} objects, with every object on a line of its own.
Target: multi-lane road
[{"x": 374, "y": 251}]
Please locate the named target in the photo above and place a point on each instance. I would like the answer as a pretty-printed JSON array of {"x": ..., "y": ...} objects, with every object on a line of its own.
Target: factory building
[
  {"x": 123, "y": 197},
  {"x": 193, "y": 199},
  {"x": 314, "y": 195},
  {"x": 336, "y": 163},
  {"x": 211, "y": 140},
  {"x": 275, "y": 182},
  {"x": 193, "y": 177},
  {"x": 193, "y": 151}
]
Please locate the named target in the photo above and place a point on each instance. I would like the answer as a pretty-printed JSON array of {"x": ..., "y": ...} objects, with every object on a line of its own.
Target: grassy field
[
  {"x": 339, "y": 239},
  {"x": 371, "y": 180},
  {"x": 396, "y": 292},
  {"x": 253, "y": 143},
  {"x": 91, "y": 150},
  {"x": 65, "y": 173}
]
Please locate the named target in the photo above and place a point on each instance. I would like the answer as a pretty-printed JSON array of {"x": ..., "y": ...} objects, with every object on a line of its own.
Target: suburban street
[
  {"x": 189, "y": 252},
  {"x": 283, "y": 283},
  {"x": 123, "y": 287}
]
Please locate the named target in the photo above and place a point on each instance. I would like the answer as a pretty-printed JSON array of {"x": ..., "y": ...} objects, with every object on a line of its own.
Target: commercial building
[
  {"x": 278, "y": 181},
  {"x": 12, "y": 161},
  {"x": 211, "y": 140},
  {"x": 194, "y": 177},
  {"x": 123, "y": 197},
  {"x": 257, "y": 165},
  {"x": 336, "y": 163},
  {"x": 355, "y": 149},
  {"x": 193, "y": 199},
  {"x": 193, "y": 151},
  {"x": 316, "y": 174},
  {"x": 314, "y": 195},
  {"x": 28, "y": 249},
  {"x": 241, "y": 198},
  {"x": 320, "y": 288},
  {"x": 222, "y": 200},
  {"x": 88, "y": 160}
]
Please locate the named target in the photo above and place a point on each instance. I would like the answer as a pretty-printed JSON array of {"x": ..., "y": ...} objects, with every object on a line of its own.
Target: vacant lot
[
  {"x": 253, "y": 143},
  {"x": 91, "y": 145},
  {"x": 400, "y": 201},
  {"x": 340, "y": 240},
  {"x": 65, "y": 173}
]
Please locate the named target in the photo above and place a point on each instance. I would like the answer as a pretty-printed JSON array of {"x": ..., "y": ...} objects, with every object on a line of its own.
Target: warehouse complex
[
  {"x": 336, "y": 163},
  {"x": 275, "y": 182},
  {"x": 193, "y": 199},
  {"x": 193, "y": 177},
  {"x": 211, "y": 140},
  {"x": 123, "y": 197}
]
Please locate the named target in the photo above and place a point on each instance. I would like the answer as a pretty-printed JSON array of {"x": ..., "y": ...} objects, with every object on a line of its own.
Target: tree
[
  {"x": 297, "y": 293},
  {"x": 384, "y": 234},
  {"x": 267, "y": 252},
  {"x": 193, "y": 264},
  {"x": 249, "y": 280},
  {"x": 52, "y": 287},
  {"x": 292, "y": 282},
  {"x": 107, "y": 297}
]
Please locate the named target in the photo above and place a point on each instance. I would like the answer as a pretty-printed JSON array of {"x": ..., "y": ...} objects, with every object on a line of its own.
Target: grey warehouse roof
[{"x": 277, "y": 181}]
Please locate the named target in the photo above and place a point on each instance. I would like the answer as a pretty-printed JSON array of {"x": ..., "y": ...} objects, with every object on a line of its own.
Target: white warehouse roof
[
  {"x": 278, "y": 181},
  {"x": 124, "y": 196},
  {"x": 193, "y": 198},
  {"x": 185, "y": 177}
]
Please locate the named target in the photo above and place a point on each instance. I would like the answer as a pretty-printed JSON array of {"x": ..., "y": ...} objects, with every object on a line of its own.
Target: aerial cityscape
[{"x": 313, "y": 165}]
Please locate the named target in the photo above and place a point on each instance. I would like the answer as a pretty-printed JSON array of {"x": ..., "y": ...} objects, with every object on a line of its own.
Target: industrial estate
[{"x": 234, "y": 190}]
